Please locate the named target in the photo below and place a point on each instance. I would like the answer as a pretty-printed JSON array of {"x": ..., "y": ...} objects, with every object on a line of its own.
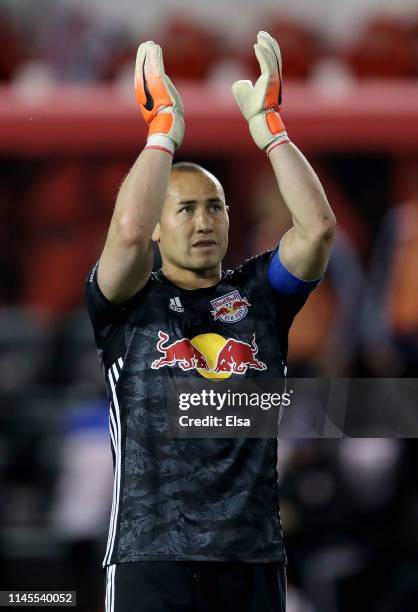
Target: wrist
[
  {"x": 267, "y": 128},
  {"x": 278, "y": 140},
  {"x": 161, "y": 142}
]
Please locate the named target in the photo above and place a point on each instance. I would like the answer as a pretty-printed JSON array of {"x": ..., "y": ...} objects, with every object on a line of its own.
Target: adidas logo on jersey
[{"x": 175, "y": 305}]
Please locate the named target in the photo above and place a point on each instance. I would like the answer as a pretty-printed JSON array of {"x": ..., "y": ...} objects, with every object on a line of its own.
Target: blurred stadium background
[{"x": 69, "y": 131}]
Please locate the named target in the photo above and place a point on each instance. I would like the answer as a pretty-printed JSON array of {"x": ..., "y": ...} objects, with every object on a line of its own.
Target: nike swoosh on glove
[{"x": 159, "y": 101}]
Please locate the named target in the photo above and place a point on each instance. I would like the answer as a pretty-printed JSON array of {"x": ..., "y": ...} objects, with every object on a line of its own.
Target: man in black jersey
[{"x": 195, "y": 523}]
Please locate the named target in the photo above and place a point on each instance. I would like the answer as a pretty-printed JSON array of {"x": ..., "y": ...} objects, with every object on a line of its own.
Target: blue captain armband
[{"x": 285, "y": 282}]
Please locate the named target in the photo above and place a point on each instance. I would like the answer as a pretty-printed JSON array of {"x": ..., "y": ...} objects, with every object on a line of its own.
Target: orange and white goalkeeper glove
[
  {"x": 260, "y": 104},
  {"x": 159, "y": 101}
]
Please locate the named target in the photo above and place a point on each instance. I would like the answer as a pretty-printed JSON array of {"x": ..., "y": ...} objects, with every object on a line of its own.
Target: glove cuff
[
  {"x": 162, "y": 142},
  {"x": 266, "y": 128},
  {"x": 280, "y": 139}
]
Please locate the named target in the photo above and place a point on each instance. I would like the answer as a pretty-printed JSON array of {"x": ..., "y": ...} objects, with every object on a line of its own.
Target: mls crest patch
[{"x": 230, "y": 307}]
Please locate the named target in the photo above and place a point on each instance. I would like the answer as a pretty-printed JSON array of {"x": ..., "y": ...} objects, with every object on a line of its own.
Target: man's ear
[{"x": 156, "y": 233}]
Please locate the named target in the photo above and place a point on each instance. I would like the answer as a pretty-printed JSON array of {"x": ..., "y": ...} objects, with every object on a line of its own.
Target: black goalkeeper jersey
[{"x": 190, "y": 499}]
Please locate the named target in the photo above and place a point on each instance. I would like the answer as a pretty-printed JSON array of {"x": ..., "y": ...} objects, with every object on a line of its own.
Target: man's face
[{"x": 193, "y": 230}]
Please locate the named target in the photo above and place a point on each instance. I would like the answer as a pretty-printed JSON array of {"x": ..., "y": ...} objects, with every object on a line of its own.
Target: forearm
[
  {"x": 141, "y": 197},
  {"x": 127, "y": 258},
  {"x": 302, "y": 192}
]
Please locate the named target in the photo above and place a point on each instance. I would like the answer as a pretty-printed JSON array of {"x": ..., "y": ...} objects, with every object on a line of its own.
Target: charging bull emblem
[
  {"x": 181, "y": 353},
  {"x": 237, "y": 356}
]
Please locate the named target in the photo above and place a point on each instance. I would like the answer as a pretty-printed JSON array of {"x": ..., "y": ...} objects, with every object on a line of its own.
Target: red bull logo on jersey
[
  {"x": 230, "y": 307},
  {"x": 211, "y": 355},
  {"x": 237, "y": 356},
  {"x": 181, "y": 353}
]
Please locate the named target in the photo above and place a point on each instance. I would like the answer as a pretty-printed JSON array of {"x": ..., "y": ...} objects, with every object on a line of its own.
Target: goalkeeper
[{"x": 195, "y": 523}]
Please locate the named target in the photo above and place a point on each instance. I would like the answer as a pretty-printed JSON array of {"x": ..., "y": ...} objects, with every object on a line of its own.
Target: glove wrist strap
[
  {"x": 161, "y": 142},
  {"x": 280, "y": 139}
]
